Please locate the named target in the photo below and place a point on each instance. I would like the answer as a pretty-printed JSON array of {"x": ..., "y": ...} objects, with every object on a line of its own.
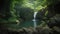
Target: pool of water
[{"x": 25, "y": 24}]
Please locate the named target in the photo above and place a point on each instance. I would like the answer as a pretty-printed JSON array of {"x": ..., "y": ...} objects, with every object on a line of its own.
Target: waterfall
[{"x": 34, "y": 20}]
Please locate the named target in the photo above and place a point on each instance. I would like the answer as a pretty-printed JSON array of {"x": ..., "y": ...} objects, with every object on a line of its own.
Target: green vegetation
[{"x": 19, "y": 11}]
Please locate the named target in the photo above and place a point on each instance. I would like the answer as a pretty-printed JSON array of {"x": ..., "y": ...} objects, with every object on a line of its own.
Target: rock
[{"x": 25, "y": 13}]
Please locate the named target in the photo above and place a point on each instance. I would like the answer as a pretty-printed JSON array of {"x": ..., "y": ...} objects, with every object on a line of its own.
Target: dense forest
[{"x": 29, "y": 16}]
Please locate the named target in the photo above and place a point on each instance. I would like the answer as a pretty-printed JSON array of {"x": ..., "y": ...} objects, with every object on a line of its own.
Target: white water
[{"x": 34, "y": 20}]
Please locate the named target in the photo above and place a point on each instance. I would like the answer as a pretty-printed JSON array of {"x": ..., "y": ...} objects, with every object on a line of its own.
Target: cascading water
[{"x": 34, "y": 20}]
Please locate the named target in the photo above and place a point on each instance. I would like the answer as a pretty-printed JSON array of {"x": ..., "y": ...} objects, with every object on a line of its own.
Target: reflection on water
[
  {"x": 34, "y": 20},
  {"x": 32, "y": 23},
  {"x": 26, "y": 24}
]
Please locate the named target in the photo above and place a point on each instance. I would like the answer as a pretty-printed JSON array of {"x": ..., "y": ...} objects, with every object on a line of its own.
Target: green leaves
[
  {"x": 36, "y": 5},
  {"x": 32, "y": 4}
]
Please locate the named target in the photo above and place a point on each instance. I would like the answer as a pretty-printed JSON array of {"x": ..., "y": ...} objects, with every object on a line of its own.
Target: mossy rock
[{"x": 26, "y": 13}]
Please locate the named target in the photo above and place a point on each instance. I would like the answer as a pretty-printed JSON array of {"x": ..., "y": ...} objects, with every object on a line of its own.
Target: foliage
[
  {"x": 13, "y": 11},
  {"x": 23, "y": 9},
  {"x": 33, "y": 4},
  {"x": 36, "y": 5}
]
